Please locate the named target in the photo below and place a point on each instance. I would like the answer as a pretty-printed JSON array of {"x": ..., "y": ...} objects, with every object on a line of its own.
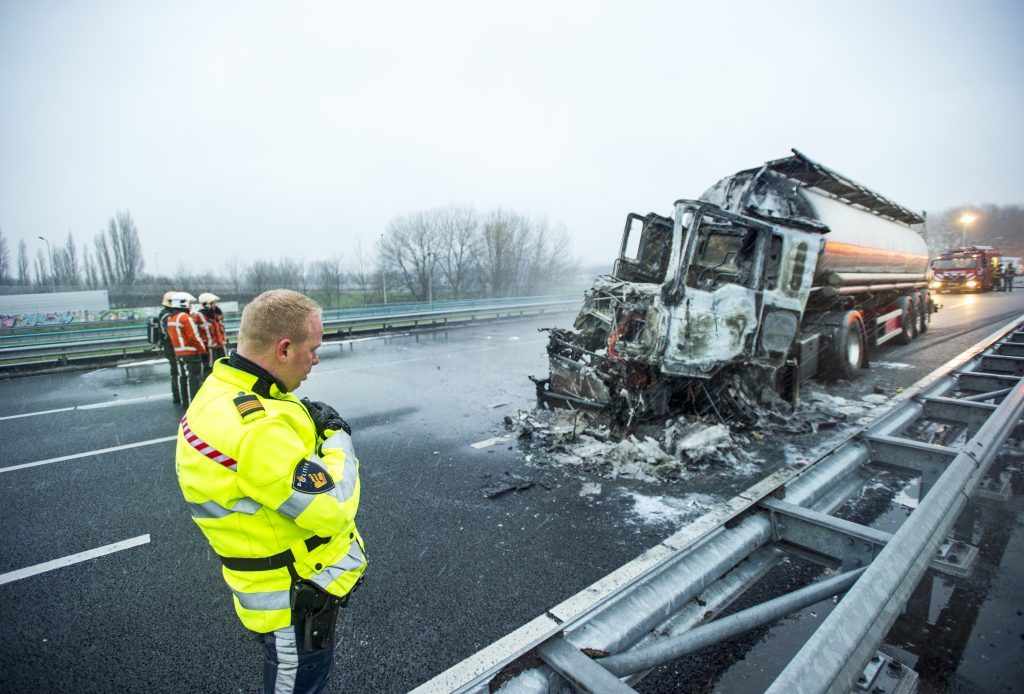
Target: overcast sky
[{"x": 264, "y": 129}]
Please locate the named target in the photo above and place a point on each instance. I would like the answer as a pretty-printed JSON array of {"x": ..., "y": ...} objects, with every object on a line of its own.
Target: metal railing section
[
  {"x": 651, "y": 610},
  {"x": 67, "y": 345}
]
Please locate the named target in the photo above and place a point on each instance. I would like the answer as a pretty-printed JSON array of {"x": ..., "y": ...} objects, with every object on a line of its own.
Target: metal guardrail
[
  {"x": 649, "y": 611},
  {"x": 64, "y": 347}
]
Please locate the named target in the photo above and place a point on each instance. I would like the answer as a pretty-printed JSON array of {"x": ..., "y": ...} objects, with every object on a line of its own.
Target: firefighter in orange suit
[
  {"x": 165, "y": 344},
  {"x": 204, "y": 329},
  {"x": 189, "y": 349},
  {"x": 218, "y": 344},
  {"x": 273, "y": 483}
]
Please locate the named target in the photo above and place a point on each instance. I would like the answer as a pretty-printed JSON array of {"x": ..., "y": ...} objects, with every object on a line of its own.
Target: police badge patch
[{"x": 311, "y": 478}]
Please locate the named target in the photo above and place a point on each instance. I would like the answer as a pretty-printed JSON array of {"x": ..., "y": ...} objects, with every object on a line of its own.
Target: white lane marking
[
  {"x": 34, "y": 414},
  {"x": 73, "y": 559},
  {"x": 489, "y": 442},
  {"x": 99, "y": 451},
  {"x": 93, "y": 406},
  {"x": 115, "y": 403}
]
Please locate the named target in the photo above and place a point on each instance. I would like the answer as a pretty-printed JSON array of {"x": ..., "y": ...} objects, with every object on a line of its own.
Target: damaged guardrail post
[{"x": 834, "y": 657}]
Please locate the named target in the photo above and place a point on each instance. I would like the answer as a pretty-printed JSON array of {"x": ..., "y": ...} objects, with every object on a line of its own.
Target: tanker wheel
[
  {"x": 908, "y": 320},
  {"x": 849, "y": 345}
]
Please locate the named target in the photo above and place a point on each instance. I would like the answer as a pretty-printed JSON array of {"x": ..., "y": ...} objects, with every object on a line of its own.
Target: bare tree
[
  {"x": 89, "y": 270},
  {"x": 5, "y": 259},
  {"x": 411, "y": 248},
  {"x": 65, "y": 264},
  {"x": 330, "y": 276},
  {"x": 548, "y": 259},
  {"x": 360, "y": 271},
  {"x": 504, "y": 237},
  {"x": 459, "y": 245},
  {"x": 23, "y": 264},
  {"x": 234, "y": 271},
  {"x": 183, "y": 277},
  {"x": 119, "y": 251},
  {"x": 42, "y": 276},
  {"x": 260, "y": 275},
  {"x": 290, "y": 274}
]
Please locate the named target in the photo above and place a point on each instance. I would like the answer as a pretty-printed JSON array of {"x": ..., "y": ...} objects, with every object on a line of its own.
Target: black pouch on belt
[{"x": 318, "y": 611}]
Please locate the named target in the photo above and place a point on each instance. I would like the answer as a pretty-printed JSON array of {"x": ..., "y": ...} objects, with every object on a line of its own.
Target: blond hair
[{"x": 273, "y": 316}]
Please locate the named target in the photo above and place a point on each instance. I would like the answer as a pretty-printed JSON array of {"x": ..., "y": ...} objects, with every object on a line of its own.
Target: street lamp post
[
  {"x": 966, "y": 219},
  {"x": 53, "y": 286},
  {"x": 430, "y": 279},
  {"x": 383, "y": 272}
]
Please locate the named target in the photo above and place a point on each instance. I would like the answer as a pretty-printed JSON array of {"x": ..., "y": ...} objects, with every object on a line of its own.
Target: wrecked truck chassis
[{"x": 627, "y": 390}]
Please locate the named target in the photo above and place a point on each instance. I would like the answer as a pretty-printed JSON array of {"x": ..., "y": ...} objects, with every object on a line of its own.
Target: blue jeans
[{"x": 288, "y": 667}]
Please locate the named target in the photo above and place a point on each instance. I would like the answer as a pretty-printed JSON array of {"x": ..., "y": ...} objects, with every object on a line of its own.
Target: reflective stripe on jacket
[
  {"x": 248, "y": 469},
  {"x": 184, "y": 335},
  {"x": 218, "y": 338},
  {"x": 203, "y": 329}
]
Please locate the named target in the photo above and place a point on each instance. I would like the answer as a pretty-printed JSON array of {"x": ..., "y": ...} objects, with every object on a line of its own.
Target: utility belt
[
  {"x": 276, "y": 561},
  {"x": 314, "y": 610}
]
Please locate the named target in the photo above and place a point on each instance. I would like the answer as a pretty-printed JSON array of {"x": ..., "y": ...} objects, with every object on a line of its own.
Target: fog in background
[{"x": 254, "y": 130}]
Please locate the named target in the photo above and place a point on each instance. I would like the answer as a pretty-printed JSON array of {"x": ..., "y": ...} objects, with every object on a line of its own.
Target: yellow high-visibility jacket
[{"x": 248, "y": 466}]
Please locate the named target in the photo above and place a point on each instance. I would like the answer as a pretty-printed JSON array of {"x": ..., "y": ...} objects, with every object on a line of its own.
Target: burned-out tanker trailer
[{"x": 773, "y": 275}]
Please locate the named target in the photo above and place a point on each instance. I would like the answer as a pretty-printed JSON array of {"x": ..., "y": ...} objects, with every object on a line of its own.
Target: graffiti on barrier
[
  {"x": 37, "y": 319},
  {"x": 32, "y": 320},
  {"x": 114, "y": 314}
]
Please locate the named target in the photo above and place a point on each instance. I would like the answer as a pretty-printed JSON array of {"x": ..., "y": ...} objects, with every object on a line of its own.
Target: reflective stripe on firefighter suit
[
  {"x": 184, "y": 335},
  {"x": 218, "y": 338},
  {"x": 203, "y": 329},
  {"x": 190, "y": 352},
  {"x": 248, "y": 468}
]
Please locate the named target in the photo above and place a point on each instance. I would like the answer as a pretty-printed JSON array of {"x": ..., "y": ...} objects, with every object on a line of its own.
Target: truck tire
[
  {"x": 908, "y": 320},
  {"x": 849, "y": 345}
]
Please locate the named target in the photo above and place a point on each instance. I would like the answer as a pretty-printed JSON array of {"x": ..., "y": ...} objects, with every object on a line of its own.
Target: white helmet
[
  {"x": 207, "y": 298},
  {"x": 182, "y": 300},
  {"x": 168, "y": 298}
]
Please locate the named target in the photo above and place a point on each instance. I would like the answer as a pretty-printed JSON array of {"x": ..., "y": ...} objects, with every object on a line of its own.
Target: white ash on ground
[
  {"x": 667, "y": 451},
  {"x": 682, "y": 446}
]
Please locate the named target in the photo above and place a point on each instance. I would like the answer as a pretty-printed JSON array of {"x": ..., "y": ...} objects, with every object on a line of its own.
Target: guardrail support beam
[
  {"x": 832, "y": 538},
  {"x": 584, "y": 674}
]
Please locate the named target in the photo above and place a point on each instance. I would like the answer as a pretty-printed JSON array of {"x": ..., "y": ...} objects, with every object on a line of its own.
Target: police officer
[
  {"x": 189, "y": 349},
  {"x": 166, "y": 346},
  {"x": 273, "y": 483}
]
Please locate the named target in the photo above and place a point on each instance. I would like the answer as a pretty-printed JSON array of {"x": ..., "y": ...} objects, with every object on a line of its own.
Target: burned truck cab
[
  {"x": 688, "y": 297},
  {"x": 775, "y": 274}
]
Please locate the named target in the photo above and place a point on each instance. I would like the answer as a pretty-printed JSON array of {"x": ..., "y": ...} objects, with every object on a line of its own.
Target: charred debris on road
[{"x": 685, "y": 447}]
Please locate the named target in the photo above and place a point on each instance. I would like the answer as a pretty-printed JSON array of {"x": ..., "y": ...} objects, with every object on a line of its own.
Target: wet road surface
[{"x": 450, "y": 569}]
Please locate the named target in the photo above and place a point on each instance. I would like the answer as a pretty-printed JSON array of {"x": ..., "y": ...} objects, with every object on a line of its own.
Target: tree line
[
  {"x": 1001, "y": 226},
  {"x": 441, "y": 253},
  {"x": 116, "y": 259}
]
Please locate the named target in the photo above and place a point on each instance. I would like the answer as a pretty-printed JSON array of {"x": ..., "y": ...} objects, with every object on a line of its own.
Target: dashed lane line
[
  {"x": 99, "y": 451},
  {"x": 19, "y": 574},
  {"x": 93, "y": 406}
]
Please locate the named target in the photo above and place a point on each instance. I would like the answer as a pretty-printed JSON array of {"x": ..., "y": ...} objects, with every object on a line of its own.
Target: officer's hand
[{"x": 326, "y": 419}]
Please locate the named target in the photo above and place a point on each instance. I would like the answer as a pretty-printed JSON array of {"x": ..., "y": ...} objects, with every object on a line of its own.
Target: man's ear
[{"x": 281, "y": 349}]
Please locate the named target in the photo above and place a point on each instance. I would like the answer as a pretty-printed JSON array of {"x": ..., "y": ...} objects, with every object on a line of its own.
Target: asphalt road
[{"x": 85, "y": 465}]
